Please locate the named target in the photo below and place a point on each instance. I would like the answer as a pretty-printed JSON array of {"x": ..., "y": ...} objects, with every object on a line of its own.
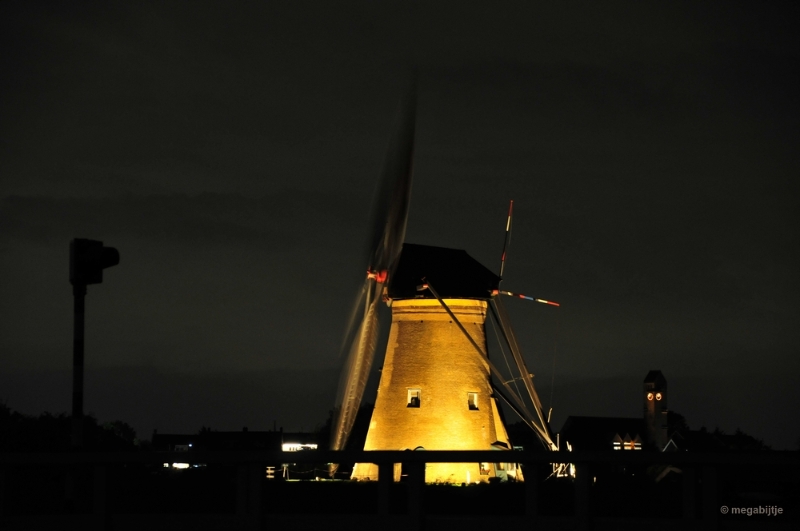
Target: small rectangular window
[
  {"x": 472, "y": 400},
  {"x": 484, "y": 469},
  {"x": 414, "y": 396}
]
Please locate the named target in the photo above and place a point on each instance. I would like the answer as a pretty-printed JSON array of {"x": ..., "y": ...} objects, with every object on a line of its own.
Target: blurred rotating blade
[
  {"x": 354, "y": 319},
  {"x": 388, "y": 229},
  {"x": 393, "y": 194},
  {"x": 361, "y": 349}
]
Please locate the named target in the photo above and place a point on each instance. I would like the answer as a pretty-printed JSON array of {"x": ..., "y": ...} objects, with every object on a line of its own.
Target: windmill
[{"x": 436, "y": 389}]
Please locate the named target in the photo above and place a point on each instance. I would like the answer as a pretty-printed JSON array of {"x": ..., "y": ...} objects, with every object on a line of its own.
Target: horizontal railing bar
[{"x": 386, "y": 456}]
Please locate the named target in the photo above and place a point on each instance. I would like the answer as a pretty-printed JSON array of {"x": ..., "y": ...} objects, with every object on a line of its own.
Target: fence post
[
  {"x": 70, "y": 488},
  {"x": 689, "y": 494},
  {"x": 248, "y": 494},
  {"x": 385, "y": 479},
  {"x": 582, "y": 495},
  {"x": 100, "y": 496},
  {"x": 2, "y": 490},
  {"x": 416, "y": 482},
  {"x": 241, "y": 489},
  {"x": 531, "y": 483},
  {"x": 710, "y": 506},
  {"x": 256, "y": 471}
]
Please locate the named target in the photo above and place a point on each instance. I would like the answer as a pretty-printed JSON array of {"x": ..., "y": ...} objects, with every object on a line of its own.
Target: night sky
[{"x": 230, "y": 152}]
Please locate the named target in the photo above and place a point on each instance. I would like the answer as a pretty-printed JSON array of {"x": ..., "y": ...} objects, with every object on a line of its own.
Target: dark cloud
[
  {"x": 275, "y": 222},
  {"x": 230, "y": 153}
]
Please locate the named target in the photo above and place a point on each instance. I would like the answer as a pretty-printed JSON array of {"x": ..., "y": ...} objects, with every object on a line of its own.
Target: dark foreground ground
[{"x": 43, "y": 496}]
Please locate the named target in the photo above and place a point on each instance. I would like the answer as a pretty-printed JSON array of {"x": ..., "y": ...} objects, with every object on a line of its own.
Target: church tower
[{"x": 655, "y": 409}]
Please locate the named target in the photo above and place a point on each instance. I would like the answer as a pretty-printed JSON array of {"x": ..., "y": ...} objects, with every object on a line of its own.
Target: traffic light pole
[
  {"x": 79, "y": 293},
  {"x": 87, "y": 259}
]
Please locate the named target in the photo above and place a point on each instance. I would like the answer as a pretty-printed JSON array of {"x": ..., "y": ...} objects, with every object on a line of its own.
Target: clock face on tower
[
  {"x": 658, "y": 396},
  {"x": 650, "y": 396}
]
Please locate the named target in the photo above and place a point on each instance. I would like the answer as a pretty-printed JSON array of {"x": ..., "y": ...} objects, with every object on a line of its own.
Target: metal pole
[{"x": 79, "y": 293}]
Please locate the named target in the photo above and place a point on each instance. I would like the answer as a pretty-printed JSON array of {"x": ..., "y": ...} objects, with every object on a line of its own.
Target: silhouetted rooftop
[
  {"x": 220, "y": 440},
  {"x": 597, "y": 433}
]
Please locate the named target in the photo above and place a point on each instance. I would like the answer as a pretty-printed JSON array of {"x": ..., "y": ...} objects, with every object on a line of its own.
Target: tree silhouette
[{"x": 51, "y": 433}]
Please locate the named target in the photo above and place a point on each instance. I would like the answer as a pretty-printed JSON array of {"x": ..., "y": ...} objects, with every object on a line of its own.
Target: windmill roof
[{"x": 452, "y": 272}]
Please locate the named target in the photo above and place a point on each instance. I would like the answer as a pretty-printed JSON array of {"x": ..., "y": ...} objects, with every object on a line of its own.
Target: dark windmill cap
[{"x": 452, "y": 272}]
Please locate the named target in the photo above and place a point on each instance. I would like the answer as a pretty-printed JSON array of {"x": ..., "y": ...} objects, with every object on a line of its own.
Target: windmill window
[
  {"x": 414, "y": 396},
  {"x": 472, "y": 401}
]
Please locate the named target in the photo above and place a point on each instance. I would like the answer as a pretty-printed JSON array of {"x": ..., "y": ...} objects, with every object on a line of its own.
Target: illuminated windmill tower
[{"x": 435, "y": 390}]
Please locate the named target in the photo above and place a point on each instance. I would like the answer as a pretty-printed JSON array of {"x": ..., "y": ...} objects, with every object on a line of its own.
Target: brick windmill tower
[{"x": 436, "y": 390}]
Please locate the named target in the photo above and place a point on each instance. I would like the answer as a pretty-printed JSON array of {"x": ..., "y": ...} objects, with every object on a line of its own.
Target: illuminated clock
[
  {"x": 658, "y": 396},
  {"x": 650, "y": 396}
]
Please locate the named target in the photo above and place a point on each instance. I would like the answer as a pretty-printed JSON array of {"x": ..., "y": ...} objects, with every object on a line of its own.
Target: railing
[{"x": 699, "y": 473}]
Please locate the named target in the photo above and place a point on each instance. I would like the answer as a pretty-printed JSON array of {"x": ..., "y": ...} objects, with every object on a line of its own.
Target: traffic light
[{"x": 87, "y": 259}]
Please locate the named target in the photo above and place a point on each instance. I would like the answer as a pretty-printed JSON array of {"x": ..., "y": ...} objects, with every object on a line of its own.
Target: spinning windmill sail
[{"x": 389, "y": 216}]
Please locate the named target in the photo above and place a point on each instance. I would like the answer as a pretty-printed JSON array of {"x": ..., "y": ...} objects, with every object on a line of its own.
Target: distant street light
[{"x": 87, "y": 259}]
